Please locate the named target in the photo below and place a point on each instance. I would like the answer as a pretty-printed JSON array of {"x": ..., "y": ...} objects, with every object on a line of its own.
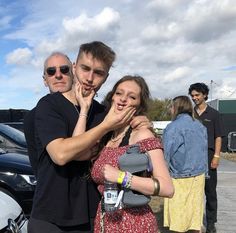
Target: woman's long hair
[{"x": 140, "y": 110}]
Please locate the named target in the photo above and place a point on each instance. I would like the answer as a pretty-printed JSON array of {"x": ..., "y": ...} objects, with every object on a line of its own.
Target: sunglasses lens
[
  {"x": 51, "y": 71},
  {"x": 64, "y": 69}
]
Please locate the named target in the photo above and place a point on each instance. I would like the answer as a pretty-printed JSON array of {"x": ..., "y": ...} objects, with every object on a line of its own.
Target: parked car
[
  {"x": 12, "y": 218},
  {"x": 17, "y": 179},
  {"x": 12, "y": 140},
  {"x": 17, "y": 125}
]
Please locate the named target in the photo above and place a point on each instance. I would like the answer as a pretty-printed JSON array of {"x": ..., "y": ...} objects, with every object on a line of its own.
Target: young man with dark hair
[{"x": 212, "y": 121}]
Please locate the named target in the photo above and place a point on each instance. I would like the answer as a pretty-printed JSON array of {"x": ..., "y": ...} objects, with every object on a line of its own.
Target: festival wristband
[{"x": 121, "y": 177}]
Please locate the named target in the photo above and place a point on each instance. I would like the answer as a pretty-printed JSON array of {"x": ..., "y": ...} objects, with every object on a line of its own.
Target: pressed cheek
[
  {"x": 79, "y": 75},
  {"x": 114, "y": 99},
  {"x": 98, "y": 81},
  {"x": 134, "y": 103}
]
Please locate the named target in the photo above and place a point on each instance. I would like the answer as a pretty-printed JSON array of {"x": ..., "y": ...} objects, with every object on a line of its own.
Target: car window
[{"x": 13, "y": 134}]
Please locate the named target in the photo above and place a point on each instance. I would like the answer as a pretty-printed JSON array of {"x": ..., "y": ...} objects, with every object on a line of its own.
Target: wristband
[
  {"x": 216, "y": 156},
  {"x": 83, "y": 115},
  {"x": 121, "y": 177},
  {"x": 126, "y": 183}
]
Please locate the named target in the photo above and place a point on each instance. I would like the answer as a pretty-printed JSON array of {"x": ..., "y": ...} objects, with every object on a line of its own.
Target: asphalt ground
[{"x": 226, "y": 191}]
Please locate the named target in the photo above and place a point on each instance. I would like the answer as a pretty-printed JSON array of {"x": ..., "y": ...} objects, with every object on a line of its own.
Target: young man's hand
[
  {"x": 117, "y": 119},
  {"x": 141, "y": 122}
]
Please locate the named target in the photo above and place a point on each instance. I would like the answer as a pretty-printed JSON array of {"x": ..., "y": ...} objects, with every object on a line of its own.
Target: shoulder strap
[{"x": 125, "y": 139}]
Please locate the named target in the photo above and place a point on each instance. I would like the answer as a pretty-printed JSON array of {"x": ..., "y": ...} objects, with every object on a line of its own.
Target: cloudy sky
[{"x": 171, "y": 43}]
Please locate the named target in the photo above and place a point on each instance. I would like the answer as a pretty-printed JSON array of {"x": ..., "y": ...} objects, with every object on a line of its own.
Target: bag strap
[{"x": 125, "y": 139}]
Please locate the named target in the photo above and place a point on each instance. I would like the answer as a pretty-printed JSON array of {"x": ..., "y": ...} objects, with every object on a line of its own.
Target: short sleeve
[{"x": 150, "y": 144}]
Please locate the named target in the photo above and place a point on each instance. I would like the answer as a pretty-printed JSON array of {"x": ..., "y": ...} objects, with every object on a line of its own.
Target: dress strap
[{"x": 125, "y": 139}]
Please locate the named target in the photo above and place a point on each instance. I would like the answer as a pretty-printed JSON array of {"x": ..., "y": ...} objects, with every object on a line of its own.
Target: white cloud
[
  {"x": 170, "y": 43},
  {"x": 178, "y": 74},
  {"x": 83, "y": 23},
  {"x": 19, "y": 56}
]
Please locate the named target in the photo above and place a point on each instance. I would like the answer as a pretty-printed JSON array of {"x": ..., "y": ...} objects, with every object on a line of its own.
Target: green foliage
[{"x": 159, "y": 110}]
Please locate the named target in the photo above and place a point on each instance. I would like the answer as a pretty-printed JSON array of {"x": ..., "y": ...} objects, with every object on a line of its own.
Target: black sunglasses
[{"x": 63, "y": 69}]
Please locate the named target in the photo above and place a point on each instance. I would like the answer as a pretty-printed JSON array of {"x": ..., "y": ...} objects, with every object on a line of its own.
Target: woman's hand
[
  {"x": 141, "y": 122},
  {"x": 110, "y": 173}
]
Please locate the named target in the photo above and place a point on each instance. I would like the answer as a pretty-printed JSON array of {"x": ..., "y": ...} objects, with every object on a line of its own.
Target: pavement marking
[
  {"x": 225, "y": 211},
  {"x": 225, "y": 172}
]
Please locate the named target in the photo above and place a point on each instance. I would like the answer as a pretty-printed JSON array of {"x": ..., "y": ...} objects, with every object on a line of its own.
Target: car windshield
[{"x": 13, "y": 134}]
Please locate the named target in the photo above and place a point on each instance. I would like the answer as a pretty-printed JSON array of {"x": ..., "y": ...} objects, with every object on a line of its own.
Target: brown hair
[
  {"x": 144, "y": 95},
  {"x": 182, "y": 104},
  {"x": 99, "y": 51}
]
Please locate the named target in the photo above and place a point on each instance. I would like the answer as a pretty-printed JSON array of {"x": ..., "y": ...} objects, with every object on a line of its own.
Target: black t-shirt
[
  {"x": 29, "y": 136},
  {"x": 211, "y": 119},
  {"x": 64, "y": 195}
]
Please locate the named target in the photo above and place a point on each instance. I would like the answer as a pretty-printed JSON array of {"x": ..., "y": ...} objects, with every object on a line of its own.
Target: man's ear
[{"x": 45, "y": 81}]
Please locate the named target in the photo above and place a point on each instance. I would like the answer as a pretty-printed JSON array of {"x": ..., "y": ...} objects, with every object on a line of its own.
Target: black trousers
[
  {"x": 210, "y": 192},
  {"x": 40, "y": 226}
]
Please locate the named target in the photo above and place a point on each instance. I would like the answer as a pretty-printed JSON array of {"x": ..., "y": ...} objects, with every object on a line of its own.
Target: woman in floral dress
[{"x": 130, "y": 91}]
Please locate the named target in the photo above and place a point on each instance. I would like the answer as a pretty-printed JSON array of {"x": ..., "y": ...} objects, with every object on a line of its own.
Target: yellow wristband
[
  {"x": 216, "y": 156},
  {"x": 121, "y": 177}
]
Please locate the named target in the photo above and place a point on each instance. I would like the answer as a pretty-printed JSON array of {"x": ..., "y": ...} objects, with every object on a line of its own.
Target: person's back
[{"x": 185, "y": 142}]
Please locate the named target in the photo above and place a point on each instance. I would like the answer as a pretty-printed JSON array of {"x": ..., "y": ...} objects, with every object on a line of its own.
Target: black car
[
  {"x": 17, "y": 179},
  {"x": 17, "y": 125},
  {"x": 12, "y": 140}
]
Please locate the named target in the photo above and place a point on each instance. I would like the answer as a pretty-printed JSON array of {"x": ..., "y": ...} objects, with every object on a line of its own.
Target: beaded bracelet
[
  {"x": 121, "y": 177},
  {"x": 128, "y": 185},
  {"x": 156, "y": 186},
  {"x": 127, "y": 180}
]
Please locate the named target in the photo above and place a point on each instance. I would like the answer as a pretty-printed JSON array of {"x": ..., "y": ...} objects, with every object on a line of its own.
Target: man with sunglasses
[
  {"x": 58, "y": 77},
  {"x": 65, "y": 197}
]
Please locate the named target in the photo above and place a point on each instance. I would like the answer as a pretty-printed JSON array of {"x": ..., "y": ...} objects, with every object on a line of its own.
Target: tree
[{"x": 159, "y": 110}]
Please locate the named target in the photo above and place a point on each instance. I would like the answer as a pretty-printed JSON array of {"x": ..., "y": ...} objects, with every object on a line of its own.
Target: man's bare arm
[{"x": 63, "y": 150}]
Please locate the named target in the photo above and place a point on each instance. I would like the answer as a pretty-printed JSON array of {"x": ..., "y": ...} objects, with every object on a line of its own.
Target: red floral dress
[{"x": 138, "y": 219}]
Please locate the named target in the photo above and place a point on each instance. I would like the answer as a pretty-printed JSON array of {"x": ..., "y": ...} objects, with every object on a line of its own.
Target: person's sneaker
[{"x": 211, "y": 228}]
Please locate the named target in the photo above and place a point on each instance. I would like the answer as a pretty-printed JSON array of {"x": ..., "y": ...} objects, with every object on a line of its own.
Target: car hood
[
  {"x": 9, "y": 209},
  {"x": 13, "y": 162}
]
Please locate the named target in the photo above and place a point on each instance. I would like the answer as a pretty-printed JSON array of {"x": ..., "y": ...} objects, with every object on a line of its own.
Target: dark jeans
[
  {"x": 210, "y": 192},
  {"x": 40, "y": 226}
]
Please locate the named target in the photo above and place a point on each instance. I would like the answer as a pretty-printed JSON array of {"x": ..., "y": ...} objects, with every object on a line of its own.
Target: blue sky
[{"x": 170, "y": 43}]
